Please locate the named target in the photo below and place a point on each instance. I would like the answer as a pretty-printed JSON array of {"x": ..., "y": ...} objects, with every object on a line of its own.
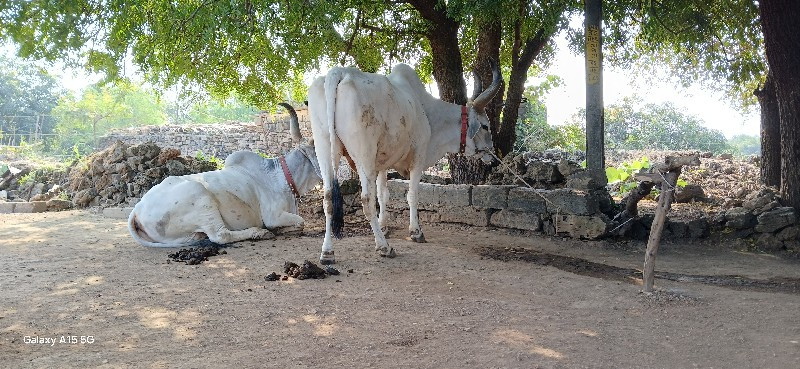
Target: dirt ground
[{"x": 445, "y": 304}]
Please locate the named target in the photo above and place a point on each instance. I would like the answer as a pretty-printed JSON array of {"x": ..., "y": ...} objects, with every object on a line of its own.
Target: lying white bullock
[
  {"x": 389, "y": 122},
  {"x": 250, "y": 198}
]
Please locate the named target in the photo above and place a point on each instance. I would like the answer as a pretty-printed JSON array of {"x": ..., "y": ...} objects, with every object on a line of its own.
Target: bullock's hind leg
[
  {"x": 413, "y": 224},
  {"x": 368, "y": 192},
  {"x": 383, "y": 199}
]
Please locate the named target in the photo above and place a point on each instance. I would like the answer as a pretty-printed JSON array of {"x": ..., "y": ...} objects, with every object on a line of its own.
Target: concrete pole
[{"x": 595, "y": 126}]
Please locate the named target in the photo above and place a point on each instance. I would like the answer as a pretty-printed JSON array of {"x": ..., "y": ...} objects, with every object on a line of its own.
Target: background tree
[
  {"x": 82, "y": 119},
  {"x": 211, "y": 110},
  {"x": 27, "y": 95},
  {"x": 657, "y": 127},
  {"x": 261, "y": 50},
  {"x": 534, "y": 133},
  {"x": 725, "y": 44}
]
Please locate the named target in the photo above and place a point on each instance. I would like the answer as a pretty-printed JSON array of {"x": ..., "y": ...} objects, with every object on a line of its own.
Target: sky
[{"x": 708, "y": 105}]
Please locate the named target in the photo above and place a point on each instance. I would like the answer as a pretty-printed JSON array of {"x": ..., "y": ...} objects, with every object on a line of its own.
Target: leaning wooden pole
[
  {"x": 664, "y": 203},
  {"x": 669, "y": 173}
]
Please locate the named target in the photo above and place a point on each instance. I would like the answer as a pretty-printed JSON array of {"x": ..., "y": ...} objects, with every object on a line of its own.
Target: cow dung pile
[
  {"x": 194, "y": 256},
  {"x": 121, "y": 173},
  {"x": 308, "y": 270}
]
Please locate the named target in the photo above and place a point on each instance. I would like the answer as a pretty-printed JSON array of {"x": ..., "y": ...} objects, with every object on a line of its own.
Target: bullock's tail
[
  {"x": 331, "y": 83},
  {"x": 140, "y": 235}
]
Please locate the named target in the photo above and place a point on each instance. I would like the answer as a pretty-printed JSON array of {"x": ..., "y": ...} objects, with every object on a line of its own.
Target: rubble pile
[
  {"x": 121, "y": 174},
  {"x": 23, "y": 182},
  {"x": 548, "y": 169}
]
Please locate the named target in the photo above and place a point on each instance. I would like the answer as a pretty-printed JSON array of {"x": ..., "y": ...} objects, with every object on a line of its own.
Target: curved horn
[
  {"x": 483, "y": 99},
  {"x": 294, "y": 124},
  {"x": 477, "y": 85}
]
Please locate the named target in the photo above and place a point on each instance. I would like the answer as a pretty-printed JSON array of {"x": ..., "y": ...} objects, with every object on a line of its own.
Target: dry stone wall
[
  {"x": 268, "y": 134},
  {"x": 566, "y": 211}
]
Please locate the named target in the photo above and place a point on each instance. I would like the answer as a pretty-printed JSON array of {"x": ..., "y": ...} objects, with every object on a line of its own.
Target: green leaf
[{"x": 613, "y": 175}]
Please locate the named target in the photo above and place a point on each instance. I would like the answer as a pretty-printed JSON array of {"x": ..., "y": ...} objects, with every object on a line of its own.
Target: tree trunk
[
  {"x": 505, "y": 137},
  {"x": 446, "y": 55},
  {"x": 770, "y": 133},
  {"x": 780, "y": 20},
  {"x": 469, "y": 170}
]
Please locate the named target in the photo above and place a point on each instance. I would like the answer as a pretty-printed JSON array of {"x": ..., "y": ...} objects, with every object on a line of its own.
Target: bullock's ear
[{"x": 473, "y": 126}]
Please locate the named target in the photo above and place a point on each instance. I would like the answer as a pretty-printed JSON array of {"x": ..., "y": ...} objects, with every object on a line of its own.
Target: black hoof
[
  {"x": 418, "y": 238},
  {"x": 389, "y": 254},
  {"x": 327, "y": 258}
]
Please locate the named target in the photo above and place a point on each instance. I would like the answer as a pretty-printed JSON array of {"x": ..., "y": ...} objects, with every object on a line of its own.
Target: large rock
[
  {"x": 567, "y": 168},
  {"x": 757, "y": 200},
  {"x": 571, "y": 201},
  {"x": 688, "y": 193},
  {"x": 542, "y": 172},
  {"x": 768, "y": 242},
  {"x": 490, "y": 196},
  {"x": 58, "y": 204},
  {"x": 774, "y": 220},
  {"x": 527, "y": 200},
  {"x": 587, "y": 180},
  {"x": 85, "y": 197},
  {"x": 790, "y": 233},
  {"x": 582, "y": 226},
  {"x": 516, "y": 219},
  {"x": 739, "y": 218}
]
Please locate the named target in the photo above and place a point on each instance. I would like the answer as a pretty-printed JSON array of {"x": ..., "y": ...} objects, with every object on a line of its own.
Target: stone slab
[
  {"x": 454, "y": 195},
  {"x": 581, "y": 226},
  {"x": 515, "y": 219},
  {"x": 7, "y": 207},
  {"x": 490, "y": 196},
  {"x": 31, "y": 207},
  {"x": 527, "y": 200},
  {"x": 464, "y": 215},
  {"x": 572, "y": 201}
]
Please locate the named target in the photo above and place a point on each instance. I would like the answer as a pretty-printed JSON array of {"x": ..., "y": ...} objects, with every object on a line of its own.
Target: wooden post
[
  {"x": 664, "y": 203},
  {"x": 595, "y": 131}
]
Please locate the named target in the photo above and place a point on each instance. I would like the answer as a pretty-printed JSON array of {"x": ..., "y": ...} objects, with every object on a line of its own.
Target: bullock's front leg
[
  {"x": 285, "y": 223},
  {"x": 368, "y": 192},
  {"x": 223, "y": 235},
  {"x": 383, "y": 199},
  {"x": 413, "y": 190}
]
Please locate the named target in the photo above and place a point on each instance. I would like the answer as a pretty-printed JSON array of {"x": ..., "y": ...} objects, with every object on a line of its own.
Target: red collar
[
  {"x": 288, "y": 176},
  {"x": 463, "y": 129}
]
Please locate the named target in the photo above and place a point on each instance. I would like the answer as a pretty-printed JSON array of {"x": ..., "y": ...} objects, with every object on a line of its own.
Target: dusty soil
[{"x": 469, "y": 298}]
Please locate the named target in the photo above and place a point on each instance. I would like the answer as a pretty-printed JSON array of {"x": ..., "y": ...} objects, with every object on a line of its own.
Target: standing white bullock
[
  {"x": 250, "y": 198},
  {"x": 389, "y": 122}
]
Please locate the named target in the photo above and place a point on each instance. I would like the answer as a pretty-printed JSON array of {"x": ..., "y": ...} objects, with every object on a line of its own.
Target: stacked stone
[
  {"x": 548, "y": 169},
  {"x": 268, "y": 134},
  {"x": 121, "y": 174},
  {"x": 572, "y": 212},
  {"x": 761, "y": 217}
]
